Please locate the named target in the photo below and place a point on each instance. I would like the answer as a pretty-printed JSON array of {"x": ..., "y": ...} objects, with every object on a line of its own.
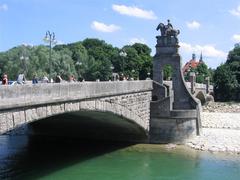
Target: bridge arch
[
  {"x": 89, "y": 119},
  {"x": 132, "y": 107},
  {"x": 200, "y": 95}
]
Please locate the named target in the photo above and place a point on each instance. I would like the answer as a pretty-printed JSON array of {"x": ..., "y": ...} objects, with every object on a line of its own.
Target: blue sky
[{"x": 208, "y": 26}]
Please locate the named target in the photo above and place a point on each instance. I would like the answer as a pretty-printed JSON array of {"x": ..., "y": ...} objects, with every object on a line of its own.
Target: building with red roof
[{"x": 191, "y": 64}]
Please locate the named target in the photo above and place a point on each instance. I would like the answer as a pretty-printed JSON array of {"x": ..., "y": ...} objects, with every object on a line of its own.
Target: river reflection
[{"x": 39, "y": 157}]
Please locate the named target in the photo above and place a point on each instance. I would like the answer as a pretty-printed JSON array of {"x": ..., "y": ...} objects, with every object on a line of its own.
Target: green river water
[{"x": 50, "y": 158}]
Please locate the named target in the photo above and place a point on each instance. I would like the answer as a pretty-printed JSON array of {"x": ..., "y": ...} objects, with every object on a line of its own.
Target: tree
[
  {"x": 167, "y": 72},
  {"x": 103, "y": 54},
  {"x": 63, "y": 64},
  {"x": 79, "y": 56},
  {"x": 145, "y": 63},
  {"x": 12, "y": 63},
  {"x": 202, "y": 73},
  {"x": 225, "y": 83},
  {"x": 233, "y": 55},
  {"x": 39, "y": 62}
]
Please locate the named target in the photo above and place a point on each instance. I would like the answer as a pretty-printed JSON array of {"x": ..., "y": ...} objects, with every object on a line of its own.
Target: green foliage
[
  {"x": 234, "y": 55},
  {"x": 211, "y": 73},
  {"x": 202, "y": 73},
  {"x": 138, "y": 62},
  {"x": 167, "y": 72},
  {"x": 225, "y": 83},
  {"x": 103, "y": 53},
  {"x": 90, "y": 59},
  {"x": 227, "y": 77}
]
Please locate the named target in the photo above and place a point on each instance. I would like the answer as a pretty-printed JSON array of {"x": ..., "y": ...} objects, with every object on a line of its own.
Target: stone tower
[{"x": 174, "y": 111}]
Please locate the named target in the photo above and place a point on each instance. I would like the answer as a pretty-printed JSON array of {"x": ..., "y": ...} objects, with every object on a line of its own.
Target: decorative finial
[
  {"x": 193, "y": 56},
  {"x": 201, "y": 58}
]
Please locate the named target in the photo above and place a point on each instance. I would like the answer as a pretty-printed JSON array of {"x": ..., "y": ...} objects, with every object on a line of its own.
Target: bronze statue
[{"x": 167, "y": 30}]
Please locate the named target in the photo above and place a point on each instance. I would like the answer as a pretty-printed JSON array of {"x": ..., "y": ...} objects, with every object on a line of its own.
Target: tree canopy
[
  {"x": 227, "y": 78},
  {"x": 89, "y": 59}
]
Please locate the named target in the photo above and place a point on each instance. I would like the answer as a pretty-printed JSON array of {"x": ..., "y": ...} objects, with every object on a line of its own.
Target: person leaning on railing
[{"x": 5, "y": 80}]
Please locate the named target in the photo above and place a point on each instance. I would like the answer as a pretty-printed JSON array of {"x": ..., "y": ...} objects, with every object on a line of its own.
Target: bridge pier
[{"x": 175, "y": 113}]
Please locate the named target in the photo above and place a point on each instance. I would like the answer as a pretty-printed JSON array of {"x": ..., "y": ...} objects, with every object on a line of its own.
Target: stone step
[{"x": 185, "y": 113}]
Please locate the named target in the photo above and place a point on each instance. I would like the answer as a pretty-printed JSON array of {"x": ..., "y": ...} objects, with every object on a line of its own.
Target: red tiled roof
[{"x": 190, "y": 64}]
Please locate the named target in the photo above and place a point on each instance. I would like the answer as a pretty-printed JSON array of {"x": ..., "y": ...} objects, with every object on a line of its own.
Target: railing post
[
  {"x": 193, "y": 81},
  {"x": 207, "y": 84}
]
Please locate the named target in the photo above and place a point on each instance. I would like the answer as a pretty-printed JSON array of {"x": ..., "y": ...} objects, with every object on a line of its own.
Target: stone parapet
[{"x": 29, "y": 95}]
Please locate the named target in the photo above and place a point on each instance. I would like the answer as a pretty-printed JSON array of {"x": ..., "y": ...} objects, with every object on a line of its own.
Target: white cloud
[
  {"x": 98, "y": 26},
  {"x": 236, "y": 37},
  {"x": 134, "y": 11},
  {"x": 59, "y": 42},
  {"x": 3, "y": 7},
  {"x": 207, "y": 50},
  {"x": 235, "y": 12},
  {"x": 193, "y": 25},
  {"x": 137, "y": 40}
]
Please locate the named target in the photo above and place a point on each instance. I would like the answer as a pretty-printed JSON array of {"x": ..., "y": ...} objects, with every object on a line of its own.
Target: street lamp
[
  {"x": 148, "y": 76},
  {"x": 112, "y": 76},
  {"x": 79, "y": 64},
  {"x": 133, "y": 71},
  {"x": 50, "y": 38},
  {"x": 24, "y": 58},
  {"x": 123, "y": 54}
]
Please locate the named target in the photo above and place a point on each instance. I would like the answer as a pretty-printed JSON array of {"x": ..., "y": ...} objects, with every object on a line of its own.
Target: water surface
[{"x": 37, "y": 157}]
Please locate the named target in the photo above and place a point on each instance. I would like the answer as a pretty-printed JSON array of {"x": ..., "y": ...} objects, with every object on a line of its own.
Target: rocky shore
[{"x": 220, "y": 128}]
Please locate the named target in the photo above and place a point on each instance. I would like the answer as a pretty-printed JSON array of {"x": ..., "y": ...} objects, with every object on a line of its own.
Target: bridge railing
[
  {"x": 198, "y": 86},
  {"x": 28, "y": 95}
]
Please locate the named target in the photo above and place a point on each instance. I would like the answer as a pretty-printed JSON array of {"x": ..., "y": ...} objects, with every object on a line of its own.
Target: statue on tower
[{"x": 167, "y": 30}]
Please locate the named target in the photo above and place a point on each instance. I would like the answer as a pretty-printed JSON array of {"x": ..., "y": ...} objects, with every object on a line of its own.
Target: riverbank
[{"x": 220, "y": 129}]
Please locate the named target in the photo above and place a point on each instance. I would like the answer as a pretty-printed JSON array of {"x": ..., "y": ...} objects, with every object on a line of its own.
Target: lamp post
[
  {"x": 133, "y": 71},
  {"x": 148, "y": 76},
  {"x": 123, "y": 54},
  {"x": 24, "y": 59},
  {"x": 79, "y": 64},
  {"x": 112, "y": 76},
  {"x": 50, "y": 38}
]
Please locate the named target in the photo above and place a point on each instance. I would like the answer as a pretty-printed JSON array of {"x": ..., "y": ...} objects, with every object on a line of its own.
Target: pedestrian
[
  {"x": 21, "y": 79},
  {"x": 72, "y": 79},
  {"x": 58, "y": 79},
  {"x": 34, "y": 80},
  {"x": 5, "y": 79},
  {"x": 45, "y": 79}
]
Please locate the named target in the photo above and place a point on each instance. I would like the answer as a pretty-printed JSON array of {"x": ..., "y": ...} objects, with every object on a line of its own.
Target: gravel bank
[
  {"x": 221, "y": 120},
  {"x": 221, "y": 128},
  {"x": 221, "y": 140},
  {"x": 229, "y": 107}
]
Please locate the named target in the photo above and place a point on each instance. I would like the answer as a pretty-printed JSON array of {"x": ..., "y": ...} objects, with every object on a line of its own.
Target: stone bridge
[
  {"x": 200, "y": 91},
  {"x": 127, "y": 101},
  {"x": 118, "y": 110}
]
